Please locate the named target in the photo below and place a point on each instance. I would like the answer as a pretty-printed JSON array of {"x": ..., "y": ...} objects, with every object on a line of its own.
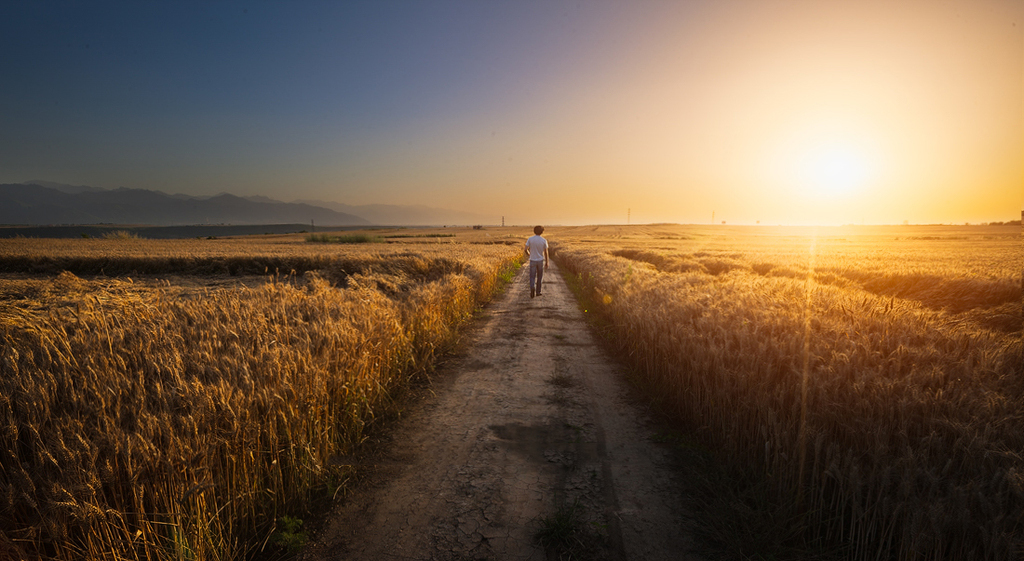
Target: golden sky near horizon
[
  {"x": 792, "y": 113},
  {"x": 782, "y": 112}
]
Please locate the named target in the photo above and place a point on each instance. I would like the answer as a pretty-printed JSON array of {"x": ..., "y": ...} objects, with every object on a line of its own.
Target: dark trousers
[{"x": 536, "y": 272}]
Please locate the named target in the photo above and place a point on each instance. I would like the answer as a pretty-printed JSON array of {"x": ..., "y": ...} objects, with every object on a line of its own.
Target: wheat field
[
  {"x": 180, "y": 399},
  {"x": 874, "y": 376}
]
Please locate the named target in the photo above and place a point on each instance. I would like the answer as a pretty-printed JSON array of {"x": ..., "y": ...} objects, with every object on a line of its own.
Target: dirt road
[{"x": 529, "y": 431}]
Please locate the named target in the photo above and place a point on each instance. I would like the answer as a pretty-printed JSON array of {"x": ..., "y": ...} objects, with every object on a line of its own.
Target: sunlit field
[
  {"x": 186, "y": 399},
  {"x": 873, "y": 376}
]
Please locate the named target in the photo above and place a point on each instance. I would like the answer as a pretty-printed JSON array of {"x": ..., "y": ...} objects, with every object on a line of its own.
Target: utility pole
[{"x": 502, "y": 221}]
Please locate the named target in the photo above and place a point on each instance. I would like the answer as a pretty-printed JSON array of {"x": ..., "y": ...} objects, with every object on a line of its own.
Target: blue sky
[
  {"x": 565, "y": 112},
  {"x": 212, "y": 85}
]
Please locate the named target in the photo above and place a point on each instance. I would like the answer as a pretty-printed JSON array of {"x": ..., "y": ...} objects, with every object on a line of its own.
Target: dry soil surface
[{"x": 530, "y": 429}]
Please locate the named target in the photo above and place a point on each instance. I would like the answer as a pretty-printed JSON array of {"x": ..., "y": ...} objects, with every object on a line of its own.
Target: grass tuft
[
  {"x": 562, "y": 380},
  {"x": 565, "y": 536}
]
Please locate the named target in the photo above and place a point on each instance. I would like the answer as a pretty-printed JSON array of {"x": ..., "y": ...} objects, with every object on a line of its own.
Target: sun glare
[{"x": 835, "y": 171}]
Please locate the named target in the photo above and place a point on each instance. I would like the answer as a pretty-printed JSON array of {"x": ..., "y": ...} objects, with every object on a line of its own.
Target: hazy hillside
[
  {"x": 408, "y": 215},
  {"x": 48, "y": 202},
  {"x": 64, "y": 187},
  {"x": 37, "y": 204}
]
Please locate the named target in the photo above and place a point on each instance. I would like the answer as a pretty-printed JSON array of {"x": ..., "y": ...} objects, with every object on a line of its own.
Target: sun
[{"x": 835, "y": 171}]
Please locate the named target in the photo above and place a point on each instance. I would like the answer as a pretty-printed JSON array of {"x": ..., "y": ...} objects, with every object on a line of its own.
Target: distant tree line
[{"x": 1007, "y": 223}]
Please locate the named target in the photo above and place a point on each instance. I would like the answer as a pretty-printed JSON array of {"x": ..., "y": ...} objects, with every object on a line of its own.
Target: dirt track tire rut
[{"x": 530, "y": 422}]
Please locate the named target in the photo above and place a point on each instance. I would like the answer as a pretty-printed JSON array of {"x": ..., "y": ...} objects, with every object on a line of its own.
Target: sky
[{"x": 584, "y": 112}]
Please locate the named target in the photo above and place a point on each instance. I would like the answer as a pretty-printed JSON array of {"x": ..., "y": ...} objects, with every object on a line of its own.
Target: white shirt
[{"x": 536, "y": 246}]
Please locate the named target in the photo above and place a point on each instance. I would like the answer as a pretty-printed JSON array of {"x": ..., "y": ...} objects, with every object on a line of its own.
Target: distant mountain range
[
  {"x": 405, "y": 215},
  {"x": 46, "y": 202}
]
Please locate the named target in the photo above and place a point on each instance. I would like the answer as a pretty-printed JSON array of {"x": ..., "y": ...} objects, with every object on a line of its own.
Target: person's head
[{"x": 538, "y": 230}]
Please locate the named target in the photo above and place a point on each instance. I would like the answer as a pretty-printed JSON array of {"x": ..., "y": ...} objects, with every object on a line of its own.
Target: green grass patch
[
  {"x": 347, "y": 238},
  {"x": 119, "y": 235}
]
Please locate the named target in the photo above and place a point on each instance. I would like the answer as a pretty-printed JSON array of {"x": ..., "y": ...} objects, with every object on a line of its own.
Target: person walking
[{"x": 537, "y": 249}]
